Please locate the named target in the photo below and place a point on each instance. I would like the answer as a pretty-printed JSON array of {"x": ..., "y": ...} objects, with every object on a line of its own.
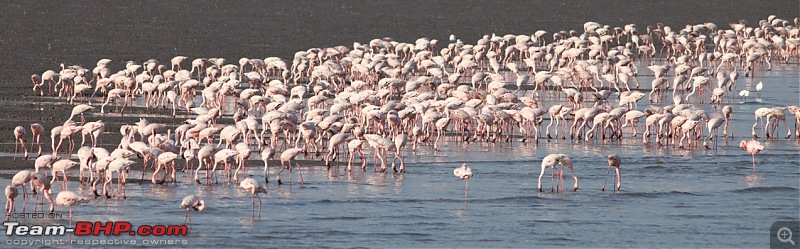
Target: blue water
[{"x": 670, "y": 197}]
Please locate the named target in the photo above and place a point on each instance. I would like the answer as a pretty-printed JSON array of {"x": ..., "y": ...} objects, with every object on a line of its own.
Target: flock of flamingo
[{"x": 391, "y": 95}]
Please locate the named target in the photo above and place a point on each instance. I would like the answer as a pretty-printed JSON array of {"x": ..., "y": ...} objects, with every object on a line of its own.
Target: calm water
[{"x": 670, "y": 197}]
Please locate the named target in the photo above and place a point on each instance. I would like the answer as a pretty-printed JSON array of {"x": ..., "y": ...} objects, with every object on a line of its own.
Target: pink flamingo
[
  {"x": 19, "y": 139},
  {"x": 69, "y": 198},
  {"x": 192, "y": 202},
  {"x": 47, "y": 192},
  {"x": 286, "y": 158},
  {"x": 549, "y": 161},
  {"x": 37, "y": 83},
  {"x": 37, "y": 130},
  {"x": 266, "y": 154},
  {"x": 252, "y": 186},
  {"x": 752, "y": 147},
  {"x": 166, "y": 160},
  {"x": 80, "y": 110},
  {"x": 122, "y": 166},
  {"x": 11, "y": 195},
  {"x": 45, "y": 161},
  {"x": 62, "y": 166},
  {"x": 614, "y": 161},
  {"x": 20, "y": 179}
]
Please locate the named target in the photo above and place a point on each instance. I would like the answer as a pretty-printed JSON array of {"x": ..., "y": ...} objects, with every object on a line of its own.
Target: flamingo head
[{"x": 201, "y": 206}]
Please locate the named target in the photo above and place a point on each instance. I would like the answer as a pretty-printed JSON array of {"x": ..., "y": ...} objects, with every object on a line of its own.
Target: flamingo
[
  {"x": 19, "y": 140},
  {"x": 252, "y": 186},
  {"x": 333, "y": 147},
  {"x": 20, "y": 179},
  {"x": 114, "y": 94},
  {"x": 613, "y": 161},
  {"x": 37, "y": 130},
  {"x": 752, "y": 147},
  {"x": 354, "y": 146},
  {"x": 465, "y": 173},
  {"x": 122, "y": 167},
  {"x": 62, "y": 166},
  {"x": 47, "y": 192},
  {"x": 80, "y": 110},
  {"x": 66, "y": 132},
  {"x": 224, "y": 156},
  {"x": 549, "y": 161},
  {"x": 205, "y": 154},
  {"x": 267, "y": 154},
  {"x": 11, "y": 195},
  {"x": 286, "y": 158},
  {"x": 726, "y": 112},
  {"x": 566, "y": 161},
  {"x": 759, "y": 114},
  {"x": 85, "y": 157},
  {"x": 243, "y": 155},
  {"x": 759, "y": 87},
  {"x": 69, "y": 198},
  {"x": 165, "y": 160},
  {"x": 400, "y": 142},
  {"x": 45, "y": 161},
  {"x": 713, "y": 128},
  {"x": 192, "y": 202}
]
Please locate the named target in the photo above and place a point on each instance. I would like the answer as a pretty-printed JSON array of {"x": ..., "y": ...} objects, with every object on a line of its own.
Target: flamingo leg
[
  {"x": 619, "y": 178},
  {"x": 259, "y": 205},
  {"x": 253, "y": 205},
  {"x": 300, "y": 173}
]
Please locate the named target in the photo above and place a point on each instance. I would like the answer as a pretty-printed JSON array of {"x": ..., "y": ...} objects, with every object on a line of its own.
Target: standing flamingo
[
  {"x": 752, "y": 147},
  {"x": 69, "y": 198},
  {"x": 613, "y": 161},
  {"x": 266, "y": 154},
  {"x": 252, "y": 186},
  {"x": 192, "y": 202},
  {"x": 19, "y": 140},
  {"x": 465, "y": 173},
  {"x": 37, "y": 130}
]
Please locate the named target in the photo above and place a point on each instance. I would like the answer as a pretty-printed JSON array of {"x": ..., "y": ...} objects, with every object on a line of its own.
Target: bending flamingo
[{"x": 192, "y": 202}]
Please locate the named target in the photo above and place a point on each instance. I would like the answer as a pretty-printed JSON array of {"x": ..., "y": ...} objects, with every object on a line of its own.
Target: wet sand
[{"x": 39, "y": 35}]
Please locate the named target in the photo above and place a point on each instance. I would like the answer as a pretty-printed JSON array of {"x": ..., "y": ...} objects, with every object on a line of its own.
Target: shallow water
[{"x": 670, "y": 197}]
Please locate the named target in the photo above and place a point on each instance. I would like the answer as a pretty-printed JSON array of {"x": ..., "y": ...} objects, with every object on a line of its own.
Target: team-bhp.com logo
[{"x": 85, "y": 228}]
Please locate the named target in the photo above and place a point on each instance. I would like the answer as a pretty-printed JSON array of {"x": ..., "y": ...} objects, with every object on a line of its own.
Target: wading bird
[{"x": 192, "y": 202}]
